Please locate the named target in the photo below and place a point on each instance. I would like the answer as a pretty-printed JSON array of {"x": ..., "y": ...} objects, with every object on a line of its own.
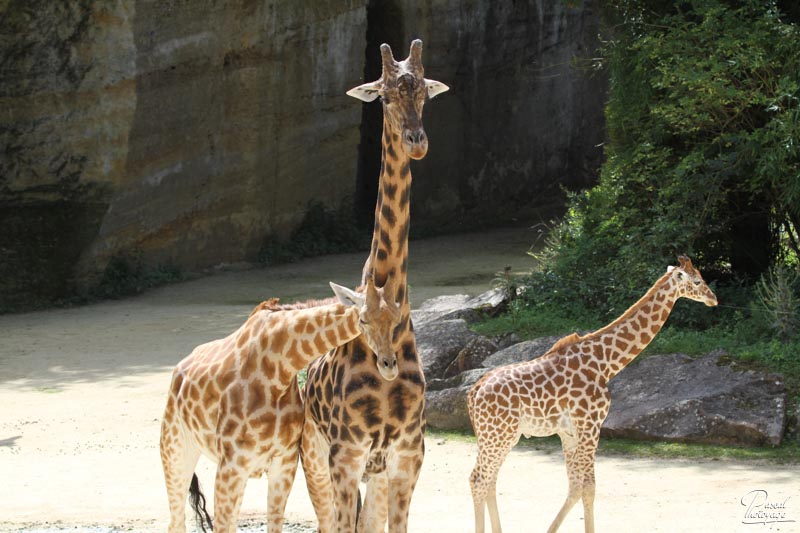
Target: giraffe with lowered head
[
  {"x": 565, "y": 392},
  {"x": 236, "y": 399},
  {"x": 362, "y": 421}
]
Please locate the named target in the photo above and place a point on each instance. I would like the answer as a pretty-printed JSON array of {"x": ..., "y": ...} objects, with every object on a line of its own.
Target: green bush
[
  {"x": 127, "y": 275},
  {"x": 702, "y": 154}
]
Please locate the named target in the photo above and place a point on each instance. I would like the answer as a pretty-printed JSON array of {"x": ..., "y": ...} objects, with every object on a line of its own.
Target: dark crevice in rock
[{"x": 384, "y": 25}]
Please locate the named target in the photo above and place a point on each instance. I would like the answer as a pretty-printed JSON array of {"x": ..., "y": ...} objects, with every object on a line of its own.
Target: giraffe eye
[
  {"x": 362, "y": 321},
  {"x": 696, "y": 283}
]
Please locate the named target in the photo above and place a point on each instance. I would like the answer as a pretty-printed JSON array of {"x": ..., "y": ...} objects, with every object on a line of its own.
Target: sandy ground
[{"x": 82, "y": 391}]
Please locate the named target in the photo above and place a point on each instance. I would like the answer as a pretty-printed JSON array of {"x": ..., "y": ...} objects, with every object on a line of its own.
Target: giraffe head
[
  {"x": 690, "y": 283},
  {"x": 379, "y": 315},
  {"x": 403, "y": 90}
]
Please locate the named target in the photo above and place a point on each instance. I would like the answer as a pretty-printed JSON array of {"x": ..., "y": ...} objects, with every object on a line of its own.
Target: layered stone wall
[
  {"x": 185, "y": 132},
  {"x": 180, "y": 131}
]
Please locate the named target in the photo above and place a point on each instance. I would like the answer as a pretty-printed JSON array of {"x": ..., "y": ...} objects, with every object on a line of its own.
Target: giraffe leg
[
  {"x": 403, "y": 472},
  {"x": 374, "y": 512},
  {"x": 347, "y": 465},
  {"x": 178, "y": 458},
  {"x": 280, "y": 476},
  {"x": 588, "y": 505},
  {"x": 229, "y": 488},
  {"x": 579, "y": 454},
  {"x": 483, "y": 482},
  {"x": 491, "y": 503},
  {"x": 314, "y": 452}
]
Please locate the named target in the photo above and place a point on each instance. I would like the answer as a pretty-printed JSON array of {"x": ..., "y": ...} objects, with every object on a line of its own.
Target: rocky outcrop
[
  {"x": 662, "y": 397},
  {"x": 183, "y": 132},
  {"x": 680, "y": 399},
  {"x": 446, "y": 401},
  {"x": 439, "y": 343},
  {"x": 461, "y": 306}
]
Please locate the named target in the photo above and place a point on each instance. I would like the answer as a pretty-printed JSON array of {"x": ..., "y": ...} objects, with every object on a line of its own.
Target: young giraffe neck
[
  {"x": 389, "y": 253},
  {"x": 628, "y": 335},
  {"x": 316, "y": 331}
]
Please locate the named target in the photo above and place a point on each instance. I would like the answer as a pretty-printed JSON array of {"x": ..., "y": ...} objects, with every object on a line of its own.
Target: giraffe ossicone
[
  {"x": 565, "y": 392},
  {"x": 236, "y": 399}
]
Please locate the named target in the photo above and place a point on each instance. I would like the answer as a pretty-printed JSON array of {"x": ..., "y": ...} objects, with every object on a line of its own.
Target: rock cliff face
[
  {"x": 182, "y": 131},
  {"x": 187, "y": 131},
  {"x": 524, "y": 115}
]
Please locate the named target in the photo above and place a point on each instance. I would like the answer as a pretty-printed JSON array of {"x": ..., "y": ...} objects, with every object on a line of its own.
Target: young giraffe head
[
  {"x": 403, "y": 90},
  {"x": 690, "y": 283},
  {"x": 378, "y": 318}
]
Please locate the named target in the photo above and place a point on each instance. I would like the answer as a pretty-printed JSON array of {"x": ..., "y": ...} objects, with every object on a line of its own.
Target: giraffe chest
[{"x": 349, "y": 401}]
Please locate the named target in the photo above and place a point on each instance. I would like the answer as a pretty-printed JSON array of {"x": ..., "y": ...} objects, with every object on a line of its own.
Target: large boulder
[
  {"x": 446, "y": 400},
  {"x": 439, "y": 343},
  {"x": 523, "y": 351},
  {"x": 454, "y": 306},
  {"x": 473, "y": 355},
  {"x": 706, "y": 400}
]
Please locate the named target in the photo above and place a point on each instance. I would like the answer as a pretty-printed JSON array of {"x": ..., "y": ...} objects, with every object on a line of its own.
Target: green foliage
[
  {"x": 322, "y": 231},
  {"x": 777, "y": 294},
  {"x": 702, "y": 154},
  {"x": 127, "y": 275}
]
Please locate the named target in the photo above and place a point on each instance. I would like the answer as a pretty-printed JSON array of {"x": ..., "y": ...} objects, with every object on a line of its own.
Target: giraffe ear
[
  {"x": 367, "y": 92},
  {"x": 435, "y": 87},
  {"x": 347, "y": 296}
]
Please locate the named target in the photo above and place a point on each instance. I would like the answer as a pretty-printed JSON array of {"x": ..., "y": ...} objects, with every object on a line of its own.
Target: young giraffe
[
  {"x": 360, "y": 422},
  {"x": 236, "y": 399},
  {"x": 565, "y": 392}
]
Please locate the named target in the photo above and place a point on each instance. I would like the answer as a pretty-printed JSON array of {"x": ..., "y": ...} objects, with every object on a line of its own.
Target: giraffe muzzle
[
  {"x": 387, "y": 366},
  {"x": 415, "y": 143}
]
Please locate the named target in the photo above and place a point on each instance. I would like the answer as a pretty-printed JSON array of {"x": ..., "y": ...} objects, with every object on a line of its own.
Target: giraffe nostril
[
  {"x": 385, "y": 363},
  {"x": 394, "y": 363}
]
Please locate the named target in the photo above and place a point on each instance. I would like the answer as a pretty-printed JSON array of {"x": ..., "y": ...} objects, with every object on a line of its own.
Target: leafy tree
[{"x": 702, "y": 156}]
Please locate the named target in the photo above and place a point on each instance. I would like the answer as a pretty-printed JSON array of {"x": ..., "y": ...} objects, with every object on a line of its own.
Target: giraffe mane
[
  {"x": 574, "y": 338},
  {"x": 268, "y": 305},
  {"x": 273, "y": 305}
]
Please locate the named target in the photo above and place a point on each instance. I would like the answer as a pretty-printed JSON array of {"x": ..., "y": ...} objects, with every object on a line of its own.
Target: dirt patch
[{"x": 82, "y": 392}]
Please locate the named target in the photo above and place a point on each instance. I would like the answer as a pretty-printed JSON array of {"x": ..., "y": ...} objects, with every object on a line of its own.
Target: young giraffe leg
[
  {"x": 374, "y": 512},
  {"x": 178, "y": 458},
  {"x": 229, "y": 488},
  {"x": 579, "y": 456},
  {"x": 491, "y": 504},
  {"x": 483, "y": 480},
  {"x": 403, "y": 472},
  {"x": 314, "y": 452},
  {"x": 280, "y": 477}
]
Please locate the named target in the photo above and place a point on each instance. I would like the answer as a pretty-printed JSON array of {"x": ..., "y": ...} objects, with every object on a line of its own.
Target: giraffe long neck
[
  {"x": 626, "y": 337},
  {"x": 389, "y": 253},
  {"x": 292, "y": 339}
]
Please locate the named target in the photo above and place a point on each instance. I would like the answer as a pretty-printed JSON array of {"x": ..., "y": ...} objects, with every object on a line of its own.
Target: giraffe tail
[{"x": 198, "y": 503}]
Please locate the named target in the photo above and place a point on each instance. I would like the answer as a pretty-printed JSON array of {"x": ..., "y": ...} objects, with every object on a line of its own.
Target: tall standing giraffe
[
  {"x": 361, "y": 422},
  {"x": 565, "y": 392},
  {"x": 236, "y": 399}
]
